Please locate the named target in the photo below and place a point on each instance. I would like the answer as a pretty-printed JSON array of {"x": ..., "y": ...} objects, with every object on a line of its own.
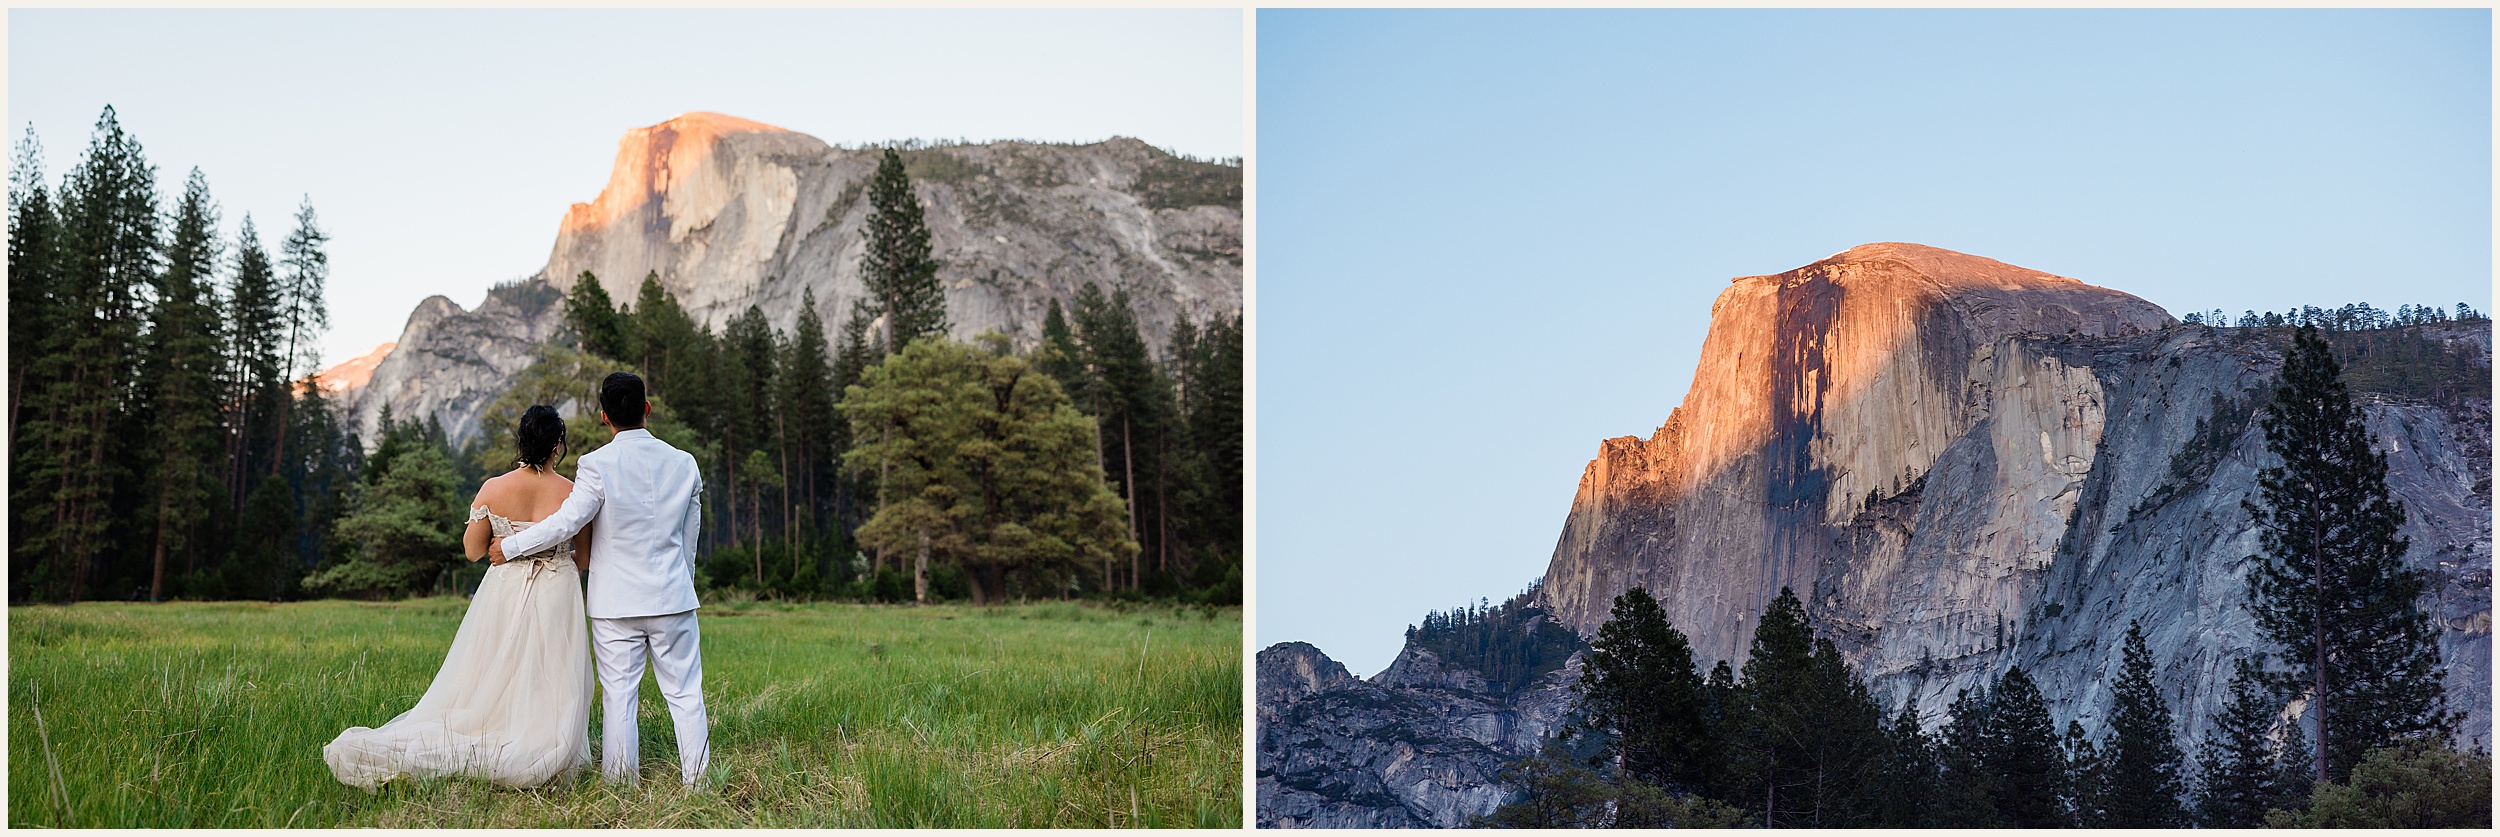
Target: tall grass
[{"x": 1047, "y": 715}]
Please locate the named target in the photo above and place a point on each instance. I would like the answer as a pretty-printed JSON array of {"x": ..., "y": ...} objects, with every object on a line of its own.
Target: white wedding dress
[{"x": 512, "y": 702}]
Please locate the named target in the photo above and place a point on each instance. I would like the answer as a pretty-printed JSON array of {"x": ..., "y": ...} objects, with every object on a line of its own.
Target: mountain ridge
[{"x": 730, "y": 213}]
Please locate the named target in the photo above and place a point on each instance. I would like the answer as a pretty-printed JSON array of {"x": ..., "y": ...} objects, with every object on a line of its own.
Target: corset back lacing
[{"x": 545, "y": 559}]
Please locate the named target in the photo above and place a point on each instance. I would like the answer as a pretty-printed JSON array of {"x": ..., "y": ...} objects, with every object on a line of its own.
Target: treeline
[
  {"x": 1511, "y": 644},
  {"x": 1797, "y": 739},
  {"x": 167, "y": 432},
  {"x": 2358, "y": 316},
  {"x": 894, "y": 464},
  {"x": 2382, "y": 352}
]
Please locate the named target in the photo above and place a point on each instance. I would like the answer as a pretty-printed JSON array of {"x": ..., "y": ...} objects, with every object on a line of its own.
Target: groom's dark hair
[{"x": 620, "y": 396}]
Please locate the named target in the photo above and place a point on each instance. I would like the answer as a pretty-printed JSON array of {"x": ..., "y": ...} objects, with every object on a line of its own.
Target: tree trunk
[
  {"x": 1098, "y": 465},
  {"x": 729, "y": 470},
  {"x": 1771, "y": 792},
  {"x": 1163, "y": 512},
  {"x": 782, "y": 427},
  {"x": 164, "y": 501},
  {"x": 276, "y": 459},
  {"x": 1128, "y": 463},
  {"x": 2317, "y": 643},
  {"x": 920, "y": 572},
  {"x": 236, "y": 443},
  {"x": 84, "y": 545},
  {"x": 756, "y": 500},
  {"x": 885, "y": 463}
]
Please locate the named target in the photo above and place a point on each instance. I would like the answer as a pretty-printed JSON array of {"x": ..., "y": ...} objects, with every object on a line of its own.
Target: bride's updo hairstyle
[{"x": 540, "y": 431}]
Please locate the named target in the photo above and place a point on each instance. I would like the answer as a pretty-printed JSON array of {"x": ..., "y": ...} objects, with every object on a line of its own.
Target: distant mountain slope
[
  {"x": 1420, "y": 745},
  {"x": 731, "y": 213}
]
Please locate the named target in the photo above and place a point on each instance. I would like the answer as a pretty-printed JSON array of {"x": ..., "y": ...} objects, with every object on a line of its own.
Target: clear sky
[
  {"x": 1489, "y": 239},
  {"x": 441, "y": 147}
]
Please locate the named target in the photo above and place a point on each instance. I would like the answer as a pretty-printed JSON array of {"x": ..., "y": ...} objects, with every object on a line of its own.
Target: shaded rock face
[
  {"x": 1421, "y": 745},
  {"x": 1962, "y": 465},
  {"x": 450, "y": 362},
  {"x": 731, "y": 213}
]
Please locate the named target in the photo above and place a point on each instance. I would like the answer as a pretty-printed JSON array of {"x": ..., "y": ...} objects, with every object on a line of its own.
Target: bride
[{"x": 512, "y": 702}]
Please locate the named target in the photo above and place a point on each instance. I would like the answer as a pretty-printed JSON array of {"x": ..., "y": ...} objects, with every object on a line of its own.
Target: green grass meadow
[{"x": 824, "y": 715}]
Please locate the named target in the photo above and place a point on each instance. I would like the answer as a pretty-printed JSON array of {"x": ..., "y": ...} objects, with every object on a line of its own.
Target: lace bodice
[{"x": 503, "y": 527}]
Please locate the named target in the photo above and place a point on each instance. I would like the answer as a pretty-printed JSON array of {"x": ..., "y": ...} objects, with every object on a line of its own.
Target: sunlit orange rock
[
  {"x": 354, "y": 372},
  {"x": 1961, "y": 465}
]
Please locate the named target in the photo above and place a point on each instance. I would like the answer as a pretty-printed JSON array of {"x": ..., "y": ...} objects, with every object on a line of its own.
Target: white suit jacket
[{"x": 648, "y": 499}]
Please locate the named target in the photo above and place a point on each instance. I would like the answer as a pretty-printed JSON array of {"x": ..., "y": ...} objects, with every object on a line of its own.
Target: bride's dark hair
[{"x": 540, "y": 431}]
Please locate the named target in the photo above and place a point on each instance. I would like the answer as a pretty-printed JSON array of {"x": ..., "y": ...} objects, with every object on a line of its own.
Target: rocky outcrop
[
  {"x": 450, "y": 362},
  {"x": 730, "y": 213},
  {"x": 354, "y": 372},
  {"x": 1963, "y": 465},
  {"x": 1422, "y": 744}
]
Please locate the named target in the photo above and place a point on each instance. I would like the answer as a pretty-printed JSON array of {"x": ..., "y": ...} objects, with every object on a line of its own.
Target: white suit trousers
[{"x": 674, "y": 650}]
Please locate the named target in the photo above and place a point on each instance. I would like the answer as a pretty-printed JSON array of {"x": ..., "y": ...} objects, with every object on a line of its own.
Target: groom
[{"x": 647, "y": 498}]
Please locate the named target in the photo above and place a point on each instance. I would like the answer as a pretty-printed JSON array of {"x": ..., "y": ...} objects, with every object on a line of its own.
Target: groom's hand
[{"x": 494, "y": 552}]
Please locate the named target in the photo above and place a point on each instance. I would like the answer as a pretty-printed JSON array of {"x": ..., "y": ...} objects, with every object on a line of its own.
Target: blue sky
[
  {"x": 441, "y": 147},
  {"x": 1489, "y": 239}
]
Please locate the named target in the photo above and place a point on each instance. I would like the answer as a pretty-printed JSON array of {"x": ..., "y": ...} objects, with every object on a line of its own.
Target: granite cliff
[
  {"x": 1959, "y": 465},
  {"x": 1963, "y": 465},
  {"x": 730, "y": 213}
]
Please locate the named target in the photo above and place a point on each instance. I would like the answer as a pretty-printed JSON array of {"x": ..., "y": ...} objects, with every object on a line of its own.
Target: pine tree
[
  {"x": 1809, "y": 736},
  {"x": 2024, "y": 755},
  {"x": 1847, "y": 758},
  {"x": 1722, "y": 711},
  {"x": 256, "y": 374},
  {"x": 1968, "y": 783},
  {"x": 745, "y": 423},
  {"x": 592, "y": 316},
  {"x": 179, "y": 381},
  {"x": 2236, "y": 763},
  {"x": 1064, "y": 362},
  {"x": 36, "y": 316},
  {"x": 2087, "y": 779},
  {"x": 64, "y": 497},
  {"x": 2143, "y": 756},
  {"x": 667, "y": 341},
  {"x": 404, "y": 529},
  {"x": 2292, "y": 764},
  {"x": 269, "y": 521},
  {"x": 34, "y": 267},
  {"x": 304, "y": 271},
  {"x": 1210, "y": 369},
  {"x": 1131, "y": 400},
  {"x": 322, "y": 473},
  {"x": 1910, "y": 771},
  {"x": 851, "y": 362},
  {"x": 1639, "y": 685},
  {"x": 2333, "y": 592},
  {"x": 805, "y": 391},
  {"x": 900, "y": 274}
]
